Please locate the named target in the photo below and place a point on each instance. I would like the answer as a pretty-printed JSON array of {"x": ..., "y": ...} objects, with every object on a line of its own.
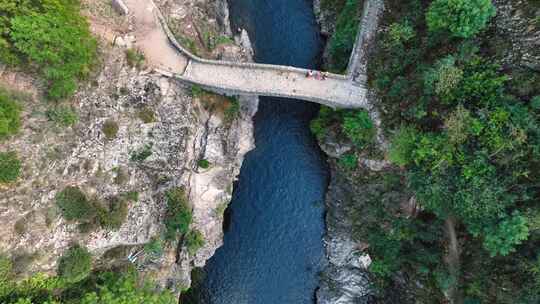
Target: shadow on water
[{"x": 273, "y": 249}]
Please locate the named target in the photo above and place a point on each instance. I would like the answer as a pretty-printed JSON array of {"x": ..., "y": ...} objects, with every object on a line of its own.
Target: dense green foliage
[
  {"x": 51, "y": 36},
  {"x": 107, "y": 287},
  {"x": 75, "y": 264},
  {"x": 458, "y": 215},
  {"x": 462, "y": 18},
  {"x": 10, "y": 167},
  {"x": 342, "y": 41},
  {"x": 468, "y": 147},
  {"x": 10, "y": 111},
  {"x": 179, "y": 215}
]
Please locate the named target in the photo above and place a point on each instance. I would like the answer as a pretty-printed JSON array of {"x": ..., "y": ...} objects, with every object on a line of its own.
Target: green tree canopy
[{"x": 462, "y": 18}]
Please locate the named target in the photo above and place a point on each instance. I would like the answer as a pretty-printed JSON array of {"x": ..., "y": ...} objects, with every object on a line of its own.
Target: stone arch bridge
[{"x": 172, "y": 60}]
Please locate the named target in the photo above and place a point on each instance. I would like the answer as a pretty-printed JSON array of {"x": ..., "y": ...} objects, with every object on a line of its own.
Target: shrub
[
  {"x": 75, "y": 264},
  {"x": 179, "y": 214},
  {"x": 348, "y": 161},
  {"x": 115, "y": 215},
  {"x": 56, "y": 39},
  {"x": 10, "y": 121},
  {"x": 462, "y": 18},
  {"x": 143, "y": 154},
  {"x": 10, "y": 167},
  {"x": 196, "y": 91},
  {"x": 232, "y": 110},
  {"x": 74, "y": 204},
  {"x": 147, "y": 115},
  {"x": 358, "y": 127},
  {"x": 194, "y": 240},
  {"x": 203, "y": 163},
  {"x": 135, "y": 58},
  {"x": 62, "y": 115},
  {"x": 110, "y": 129},
  {"x": 443, "y": 79}
]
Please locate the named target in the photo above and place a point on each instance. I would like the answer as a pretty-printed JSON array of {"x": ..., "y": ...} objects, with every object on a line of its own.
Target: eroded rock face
[{"x": 183, "y": 131}]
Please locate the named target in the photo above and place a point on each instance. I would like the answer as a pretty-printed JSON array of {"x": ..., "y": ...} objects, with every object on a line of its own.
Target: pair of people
[{"x": 317, "y": 75}]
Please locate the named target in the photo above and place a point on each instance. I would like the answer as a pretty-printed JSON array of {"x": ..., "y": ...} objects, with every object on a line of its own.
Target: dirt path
[{"x": 151, "y": 39}]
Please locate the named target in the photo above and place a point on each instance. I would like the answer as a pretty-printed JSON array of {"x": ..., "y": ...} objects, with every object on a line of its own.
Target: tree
[
  {"x": 502, "y": 239},
  {"x": 462, "y": 18},
  {"x": 75, "y": 264},
  {"x": 58, "y": 42}
]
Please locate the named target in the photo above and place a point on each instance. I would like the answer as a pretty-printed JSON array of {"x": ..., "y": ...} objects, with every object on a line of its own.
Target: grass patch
[
  {"x": 63, "y": 116},
  {"x": 10, "y": 167},
  {"x": 10, "y": 112},
  {"x": 135, "y": 58}
]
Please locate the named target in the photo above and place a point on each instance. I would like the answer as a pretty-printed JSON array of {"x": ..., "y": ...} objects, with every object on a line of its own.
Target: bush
[
  {"x": 178, "y": 213},
  {"x": 56, "y": 39},
  {"x": 135, "y": 58},
  {"x": 110, "y": 129},
  {"x": 147, "y": 115},
  {"x": 203, "y": 163},
  {"x": 462, "y": 18},
  {"x": 402, "y": 146},
  {"x": 5, "y": 268},
  {"x": 62, "y": 115},
  {"x": 348, "y": 161},
  {"x": 115, "y": 215},
  {"x": 194, "y": 241},
  {"x": 10, "y": 167},
  {"x": 74, "y": 204},
  {"x": 75, "y": 264},
  {"x": 10, "y": 121},
  {"x": 358, "y": 127}
]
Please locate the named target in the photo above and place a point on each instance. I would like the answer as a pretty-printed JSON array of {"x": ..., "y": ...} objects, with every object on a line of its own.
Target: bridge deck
[{"x": 166, "y": 55}]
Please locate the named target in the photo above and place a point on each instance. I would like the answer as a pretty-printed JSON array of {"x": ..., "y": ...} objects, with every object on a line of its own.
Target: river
[{"x": 273, "y": 250}]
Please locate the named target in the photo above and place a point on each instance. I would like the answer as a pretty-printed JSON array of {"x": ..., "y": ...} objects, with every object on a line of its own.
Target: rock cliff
[{"x": 165, "y": 118}]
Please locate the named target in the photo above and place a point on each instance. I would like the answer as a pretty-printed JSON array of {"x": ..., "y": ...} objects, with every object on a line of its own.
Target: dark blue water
[{"x": 273, "y": 247}]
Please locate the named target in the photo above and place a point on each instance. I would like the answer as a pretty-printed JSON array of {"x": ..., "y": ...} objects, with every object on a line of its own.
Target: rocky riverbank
[{"x": 175, "y": 126}]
